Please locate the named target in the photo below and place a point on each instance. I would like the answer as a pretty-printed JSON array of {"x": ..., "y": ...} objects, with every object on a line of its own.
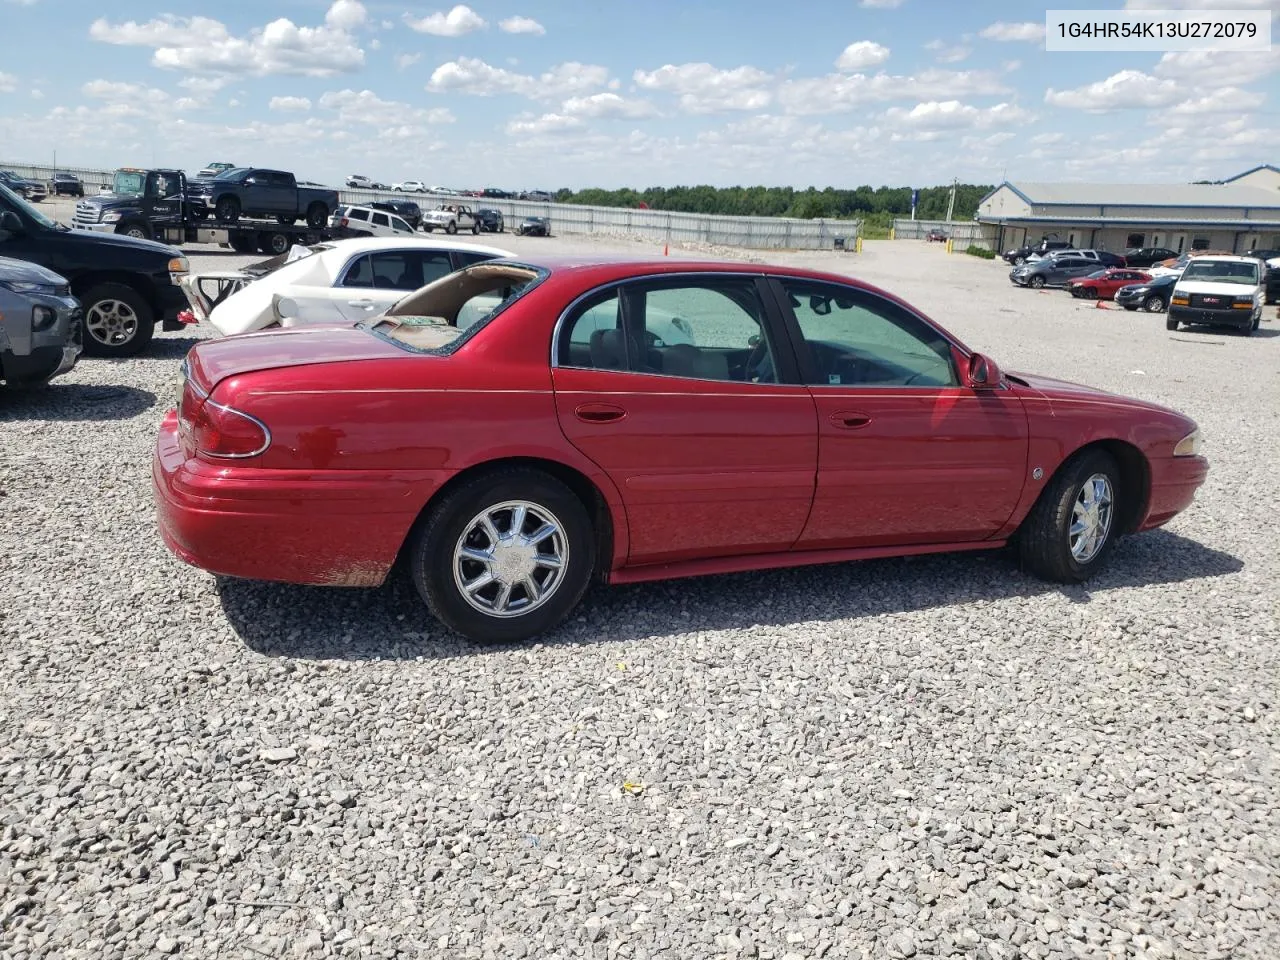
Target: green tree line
[{"x": 878, "y": 204}]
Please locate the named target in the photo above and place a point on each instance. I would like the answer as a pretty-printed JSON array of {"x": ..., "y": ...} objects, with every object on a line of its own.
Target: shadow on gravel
[
  {"x": 390, "y": 622},
  {"x": 75, "y": 401},
  {"x": 167, "y": 348}
]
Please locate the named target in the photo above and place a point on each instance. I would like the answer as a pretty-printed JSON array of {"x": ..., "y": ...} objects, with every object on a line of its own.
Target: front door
[
  {"x": 674, "y": 388},
  {"x": 906, "y": 455}
]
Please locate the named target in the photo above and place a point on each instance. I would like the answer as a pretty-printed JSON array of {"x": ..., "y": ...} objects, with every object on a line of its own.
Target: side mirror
[
  {"x": 10, "y": 223},
  {"x": 982, "y": 374}
]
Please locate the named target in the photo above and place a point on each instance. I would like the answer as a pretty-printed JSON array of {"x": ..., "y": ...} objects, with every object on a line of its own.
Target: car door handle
[
  {"x": 849, "y": 419},
  {"x": 599, "y": 413},
  {"x": 362, "y": 304}
]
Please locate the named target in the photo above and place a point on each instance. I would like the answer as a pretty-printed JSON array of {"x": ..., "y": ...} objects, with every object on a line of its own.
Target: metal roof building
[{"x": 1238, "y": 214}]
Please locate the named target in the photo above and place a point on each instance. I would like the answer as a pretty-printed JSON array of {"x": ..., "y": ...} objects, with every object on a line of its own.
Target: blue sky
[{"x": 548, "y": 94}]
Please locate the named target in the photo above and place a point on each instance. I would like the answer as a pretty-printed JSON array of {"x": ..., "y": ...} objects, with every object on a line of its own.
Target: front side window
[
  {"x": 700, "y": 328},
  {"x": 855, "y": 338}
]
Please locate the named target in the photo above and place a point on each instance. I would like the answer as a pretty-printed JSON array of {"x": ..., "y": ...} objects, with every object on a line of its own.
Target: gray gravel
[{"x": 935, "y": 757}]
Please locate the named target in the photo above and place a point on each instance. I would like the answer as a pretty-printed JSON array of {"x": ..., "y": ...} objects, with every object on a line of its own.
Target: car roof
[
  {"x": 358, "y": 245},
  {"x": 1225, "y": 258},
  {"x": 604, "y": 270}
]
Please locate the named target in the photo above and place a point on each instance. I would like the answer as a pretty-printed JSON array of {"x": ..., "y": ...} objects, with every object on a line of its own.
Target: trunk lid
[{"x": 212, "y": 361}]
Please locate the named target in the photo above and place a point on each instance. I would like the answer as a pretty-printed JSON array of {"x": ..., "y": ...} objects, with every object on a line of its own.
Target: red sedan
[
  {"x": 515, "y": 431},
  {"x": 1104, "y": 284}
]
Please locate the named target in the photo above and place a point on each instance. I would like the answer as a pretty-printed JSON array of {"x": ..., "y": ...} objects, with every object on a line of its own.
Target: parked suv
[
  {"x": 1148, "y": 256},
  {"x": 1101, "y": 257},
  {"x": 39, "y": 324},
  {"x": 491, "y": 220},
  {"x": 451, "y": 217},
  {"x": 25, "y": 187},
  {"x": 1218, "y": 291},
  {"x": 67, "y": 184},
  {"x": 368, "y": 222},
  {"x": 1053, "y": 271},
  {"x": 409, "y": 211}
]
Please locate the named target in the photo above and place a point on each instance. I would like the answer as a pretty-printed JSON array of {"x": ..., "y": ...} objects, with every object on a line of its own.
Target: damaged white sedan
[{"x": 329, "y": 282}]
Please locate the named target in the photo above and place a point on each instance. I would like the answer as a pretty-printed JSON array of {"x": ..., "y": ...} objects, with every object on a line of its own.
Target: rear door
[
  {"x": 682, "y": 390},
  {"x": 1065, "y": 269},
  {"x": 372, "y": 283}
]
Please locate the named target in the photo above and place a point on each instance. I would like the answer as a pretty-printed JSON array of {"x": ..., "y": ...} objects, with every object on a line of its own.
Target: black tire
[
  {"x": 317, "y": 216},
  {"x": 1130, "y": 306},
  {"x": 502, "y": 228},
  {"x": 1036, "y": 282},
  {"x": 227, "y": 210},
  {"x": 1044, "y": 545},
  {"x": 428, "y": 229},
  {"x": 273, "y": 243},
  {"x": 107, "y": 329},
  {"x": 287, "y": 221},
  {"x": 1154, "y": 304},
  {"x": 433, "y": 543},
  {"x": 451, "y": 228},
  {"x": 138, "y": 231},
  {"x": 1170, "y": 323},
  {"x": 475, "y": 228}
]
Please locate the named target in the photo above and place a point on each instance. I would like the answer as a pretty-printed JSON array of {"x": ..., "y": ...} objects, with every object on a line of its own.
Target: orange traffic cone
[
  {"x": 1100, "y": 304},
  {"x": 664, "y": 249}
]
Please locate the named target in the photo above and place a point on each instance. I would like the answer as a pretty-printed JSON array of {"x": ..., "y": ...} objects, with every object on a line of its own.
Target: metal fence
[
  {"x": 964, "y": 233},
  {"x": 661, "y": 226}
]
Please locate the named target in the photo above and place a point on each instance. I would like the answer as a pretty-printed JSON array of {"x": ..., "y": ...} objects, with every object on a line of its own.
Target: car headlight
[
  {"x": 1188, "y": 446},
  {"x": 1242, "y": 303},
  {"x": 110, "y": 217},
  {"x": 29, "y": 286}
]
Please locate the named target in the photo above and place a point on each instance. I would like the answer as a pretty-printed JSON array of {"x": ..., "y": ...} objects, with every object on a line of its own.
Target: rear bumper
[
  {"x": 1226, "y": 318},
  {"x": 317, "y": 527},
  {"x": 1174, "y": 482}
]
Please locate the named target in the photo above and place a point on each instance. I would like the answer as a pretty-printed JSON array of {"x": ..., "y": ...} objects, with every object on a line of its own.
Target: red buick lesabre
[{"x": 514, "y": 431}]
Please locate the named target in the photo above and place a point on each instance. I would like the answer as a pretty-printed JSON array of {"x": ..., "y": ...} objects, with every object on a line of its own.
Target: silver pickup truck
[{"x": 450, "y": 217}]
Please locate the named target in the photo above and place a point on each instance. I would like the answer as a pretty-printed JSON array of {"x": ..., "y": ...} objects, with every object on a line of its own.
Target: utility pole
[{"x": 951, "y": 203}]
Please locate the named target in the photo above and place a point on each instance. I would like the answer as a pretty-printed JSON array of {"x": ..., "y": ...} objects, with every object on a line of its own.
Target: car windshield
[
  {"x": 129, "y": 183},
  {"x": 435, "y": 317},
  {"x": 11, "y": 201},
  {"x": 1222, "y": 271},
  {"x": 1098, "y": 274},
  {"x": 232, "y": 174}
]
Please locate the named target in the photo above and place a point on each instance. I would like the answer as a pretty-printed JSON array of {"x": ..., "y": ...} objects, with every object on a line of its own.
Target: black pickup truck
[
  {"x": 153, "y": 205},
  {"x": 254, "y": 192},
  {"x": 125, "y": 286}
]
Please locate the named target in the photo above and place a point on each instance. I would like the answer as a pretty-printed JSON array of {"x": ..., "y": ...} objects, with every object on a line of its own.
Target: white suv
[
  {"x": 1219, "y": 291},
  {"x": 410, "y": 186},
  {"x": 370, "y": 222}
]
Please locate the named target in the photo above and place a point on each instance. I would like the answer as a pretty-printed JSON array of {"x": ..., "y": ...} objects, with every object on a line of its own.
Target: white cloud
[
  {"x": 880, "y": 4},
  {"x": 703, "y": 88},
  {"x": 1126, "y": 90},
  {"x": 127, "y": 99},
  {"x": 862, "y": 54},
  {"x": 375, "y": 44},
  {"x": 1226, "y": 100},
  {"x": 1044, "y": 139},
  {"x": 946, "y": 53},
  {"x": 8, "y": 83},
  {"x": 233, "y": 103},
  {"x": 204, "y": 84},
  {"x": 365, "y": 106},
  {"x": 608, "y": 106},
  {"x": 1216, "y": 67},
  {"x": 521, "y": 25},
  {"x": 927, "y": 121},
  {"x": 473, "y": 76},
  {"x": 547, "y": 123},
  {"x": 1029, "y": 32},
  {"x": 296, "y": 104},
  {"x": 204, "y": 45},
  {"x": 406, "y": 60},
  {"x": 836, "y": 93},
  {"x": 457, "y": 22}
]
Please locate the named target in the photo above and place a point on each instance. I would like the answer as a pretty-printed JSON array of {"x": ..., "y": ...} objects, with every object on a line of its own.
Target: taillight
[
  {"x": 225, "y": 433},
  {"x": 345, "y": 221}
]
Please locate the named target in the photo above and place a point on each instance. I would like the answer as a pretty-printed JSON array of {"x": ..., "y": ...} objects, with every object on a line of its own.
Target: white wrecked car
[{"x": 326, "y": 283}]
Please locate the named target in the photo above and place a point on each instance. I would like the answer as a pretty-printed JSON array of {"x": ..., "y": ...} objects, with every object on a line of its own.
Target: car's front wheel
[
  {"x": 1070, "y": 530},
  {"x": 1154, "y": 304},
  {"x": 118, "y": 322},
  {"x": 504, "y": 557},
  {"x": 1036, "y": 282}
]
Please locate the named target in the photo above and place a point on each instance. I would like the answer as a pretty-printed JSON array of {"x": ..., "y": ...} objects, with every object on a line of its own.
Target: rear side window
[
  {"x": 380, "y": 220},
  {"x": 357, "y": 214}
]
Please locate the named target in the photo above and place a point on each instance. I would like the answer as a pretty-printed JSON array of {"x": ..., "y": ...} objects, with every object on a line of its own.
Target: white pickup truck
[{"x": 450, "y": 217}]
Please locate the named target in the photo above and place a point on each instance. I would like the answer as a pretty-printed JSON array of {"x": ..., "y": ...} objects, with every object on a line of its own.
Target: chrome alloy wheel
[
  {"x": 510, "y": 558},
  {"x": 111, "y": 322},
  {"x": 1091, "y": 518}
]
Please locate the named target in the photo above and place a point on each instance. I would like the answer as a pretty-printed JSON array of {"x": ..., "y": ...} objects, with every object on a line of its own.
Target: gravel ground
[{"x": 934, "y": 757}]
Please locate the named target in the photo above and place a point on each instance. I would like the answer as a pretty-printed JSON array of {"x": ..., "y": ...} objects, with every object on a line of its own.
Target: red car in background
[
  {"x": 1104, "y": 284},
  {"x": 516, "y": 431}
]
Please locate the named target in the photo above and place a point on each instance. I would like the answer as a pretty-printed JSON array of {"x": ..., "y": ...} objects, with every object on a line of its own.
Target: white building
[{"x": 1238, "y": 214}]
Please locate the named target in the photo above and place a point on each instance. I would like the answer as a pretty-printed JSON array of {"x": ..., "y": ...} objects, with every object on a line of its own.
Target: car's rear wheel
[
  {"x": 1154, "y": 304},
  {"x": 317, "y": 216},
  {"x": 504, "y": 557},
  {"x": 1036, "y": 282},
  {"x": 118, "y": 322},
  {"x": 1069, "y": 532},
  {"x": 272, "y": 243}
]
